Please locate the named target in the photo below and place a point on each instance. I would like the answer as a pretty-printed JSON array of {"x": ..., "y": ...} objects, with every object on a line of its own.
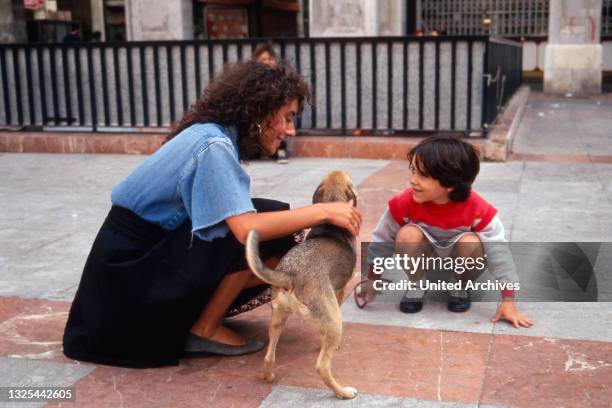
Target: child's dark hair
[{"x": 451, "y": 161}]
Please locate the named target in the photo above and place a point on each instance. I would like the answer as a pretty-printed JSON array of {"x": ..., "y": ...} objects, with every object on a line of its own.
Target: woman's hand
[
  {"x": 343, "y": 215},
  {"x": 507, "y": 310}
]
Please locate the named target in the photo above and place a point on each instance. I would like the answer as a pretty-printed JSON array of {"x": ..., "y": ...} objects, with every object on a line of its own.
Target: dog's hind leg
[
  {"x": 280, "y": 313},
  {"x": 340, "y": 296},
  {"x": 328, "y": 320}
]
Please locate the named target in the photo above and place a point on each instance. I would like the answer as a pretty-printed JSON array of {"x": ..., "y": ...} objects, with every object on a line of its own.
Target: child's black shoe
[
  {"x": 412, "y": 302},
  {"x": 460, "y": 303},
  {"x": 407, "y": 306}
]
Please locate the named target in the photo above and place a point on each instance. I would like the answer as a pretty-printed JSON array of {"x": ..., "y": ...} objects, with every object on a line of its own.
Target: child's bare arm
[{"x": 501, "y": 265}]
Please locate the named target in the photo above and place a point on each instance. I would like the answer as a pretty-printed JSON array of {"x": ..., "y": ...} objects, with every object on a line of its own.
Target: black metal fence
[
  {"x": 385, "y": 85},
  {"x": 504, "y": 75}
]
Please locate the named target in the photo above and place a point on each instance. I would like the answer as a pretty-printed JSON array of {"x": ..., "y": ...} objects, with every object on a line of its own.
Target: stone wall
[
  {"x": 356, "y": 18},
  {"x": 159, "y": 20}
]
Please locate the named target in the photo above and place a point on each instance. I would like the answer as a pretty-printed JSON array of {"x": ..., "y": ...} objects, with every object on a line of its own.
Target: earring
[{"x": 259, "y": 147}]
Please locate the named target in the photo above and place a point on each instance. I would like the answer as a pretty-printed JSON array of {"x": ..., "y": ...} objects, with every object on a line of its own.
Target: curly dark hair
[
  {"x": 245, "y": 95},
  {"x": 451, "y": 161}
]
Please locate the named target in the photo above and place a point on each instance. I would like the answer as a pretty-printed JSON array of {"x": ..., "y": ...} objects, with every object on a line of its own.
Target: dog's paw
[
  {"x": 347, "y": 393},
  {"x": 268, "y": 377}
]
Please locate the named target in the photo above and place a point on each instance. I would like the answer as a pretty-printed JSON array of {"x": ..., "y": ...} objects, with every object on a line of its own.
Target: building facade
[
  {"x": 142, "y": 20},
  {"x": 508, "y": 18},
  {"x": 527, "y": 21}
]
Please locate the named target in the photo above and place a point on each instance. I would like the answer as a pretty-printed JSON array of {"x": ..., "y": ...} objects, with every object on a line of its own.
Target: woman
[
  {"x": 168, "y": 262},
  {"x": 264, "y": 54}
]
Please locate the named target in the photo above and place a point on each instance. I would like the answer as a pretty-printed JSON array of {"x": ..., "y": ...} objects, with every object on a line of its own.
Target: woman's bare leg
[{"x": 209, "y": 323}]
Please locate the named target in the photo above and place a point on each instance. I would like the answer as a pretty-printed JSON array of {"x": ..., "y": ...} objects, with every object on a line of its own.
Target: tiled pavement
[
  {"x": 566, "y": 129},
  {"x": 53, "y": 204}
]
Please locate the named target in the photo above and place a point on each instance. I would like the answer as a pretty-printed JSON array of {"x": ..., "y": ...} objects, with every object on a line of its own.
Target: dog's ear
[
  {"x": 350, "y": 194},
  {"x": 317, "y": 197}
]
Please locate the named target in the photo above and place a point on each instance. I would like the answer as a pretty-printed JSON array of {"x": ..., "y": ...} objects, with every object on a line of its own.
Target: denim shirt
[{"x": 196, "y": 176}]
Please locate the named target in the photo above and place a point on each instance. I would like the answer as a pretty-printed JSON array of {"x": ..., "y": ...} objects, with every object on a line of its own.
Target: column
[{"x": 574, "y": 53}]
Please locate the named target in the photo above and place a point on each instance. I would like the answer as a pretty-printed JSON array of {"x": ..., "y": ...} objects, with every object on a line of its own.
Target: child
[{"x": 438, "y": 211}]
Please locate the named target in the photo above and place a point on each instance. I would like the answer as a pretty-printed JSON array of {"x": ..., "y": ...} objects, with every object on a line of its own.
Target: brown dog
[{"x": 310, "y": 280}]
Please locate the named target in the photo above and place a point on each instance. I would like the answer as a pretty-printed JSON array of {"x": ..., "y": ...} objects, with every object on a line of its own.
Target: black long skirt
[{"x": 143, "y": 288}]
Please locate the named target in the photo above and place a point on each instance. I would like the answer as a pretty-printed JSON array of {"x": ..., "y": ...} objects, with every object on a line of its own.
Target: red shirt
[{"x": 475, "y": 213}]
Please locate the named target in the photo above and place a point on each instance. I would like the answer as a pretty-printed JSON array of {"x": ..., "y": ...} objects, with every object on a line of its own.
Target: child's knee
[
  {"x": 470, "y": 237},
  {"x": 469, "y": 245},
  {"x": 409, "y": 233}
]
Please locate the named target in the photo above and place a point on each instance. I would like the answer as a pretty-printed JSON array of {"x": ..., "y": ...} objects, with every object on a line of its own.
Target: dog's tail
[{"x": 257, "y": 266}]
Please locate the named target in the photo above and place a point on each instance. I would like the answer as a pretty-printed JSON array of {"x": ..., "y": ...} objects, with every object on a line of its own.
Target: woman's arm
[{"x": 275, "y": 224}]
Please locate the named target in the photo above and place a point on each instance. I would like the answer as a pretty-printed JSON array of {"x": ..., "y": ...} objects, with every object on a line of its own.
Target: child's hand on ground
[{"x": 507, "y": 310}]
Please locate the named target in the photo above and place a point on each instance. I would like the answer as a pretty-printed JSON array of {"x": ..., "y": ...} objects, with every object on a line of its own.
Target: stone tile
[
  {"x": 509, "y": 171},
  {"x": 434, "y": 315},
  {"x": 51, "y": 211},
  {"x": 204, "y": 382},
  {"x": 546, "y": 225},
  {"x": 365, "y": 147},
  {"x": 605, "y": 176},
  {"x": 564, "y": 320},
  {"x": 31, "y": 172},
  {"x": 588, "y": 196},
  {"x": 544, "y": 172},
  {"x": 604, "y": 170},
  {"x": 16, "y": 242},
  {"x": 556, "y": 233},
  {"x": 47, "y": 272},
  {"x": 53, "y": 142},
  {"x": 283, "y": 396},
  {"x": 545, "y": 372},
  {"x": 394, "y": 176},
  {"x": 581, "y": 157},
  {"x": 390, "y": 150},
  {"x": 435, "y": 367},
  {"x": 64, "y": 288},
  {"x": 493, "y": 186},
  {"x": 564, "y": 130},
  {"x": 30, "y": 373},
  {"x": 32, "y": 329},
  {"x": 505, "y": 202},
  {"x": 321, "y": 148}
]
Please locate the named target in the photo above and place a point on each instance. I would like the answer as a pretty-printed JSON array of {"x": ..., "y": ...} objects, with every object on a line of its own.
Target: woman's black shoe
[
  {"x": 410, "y": 306},
  {"x": 197, "y": 346}
]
